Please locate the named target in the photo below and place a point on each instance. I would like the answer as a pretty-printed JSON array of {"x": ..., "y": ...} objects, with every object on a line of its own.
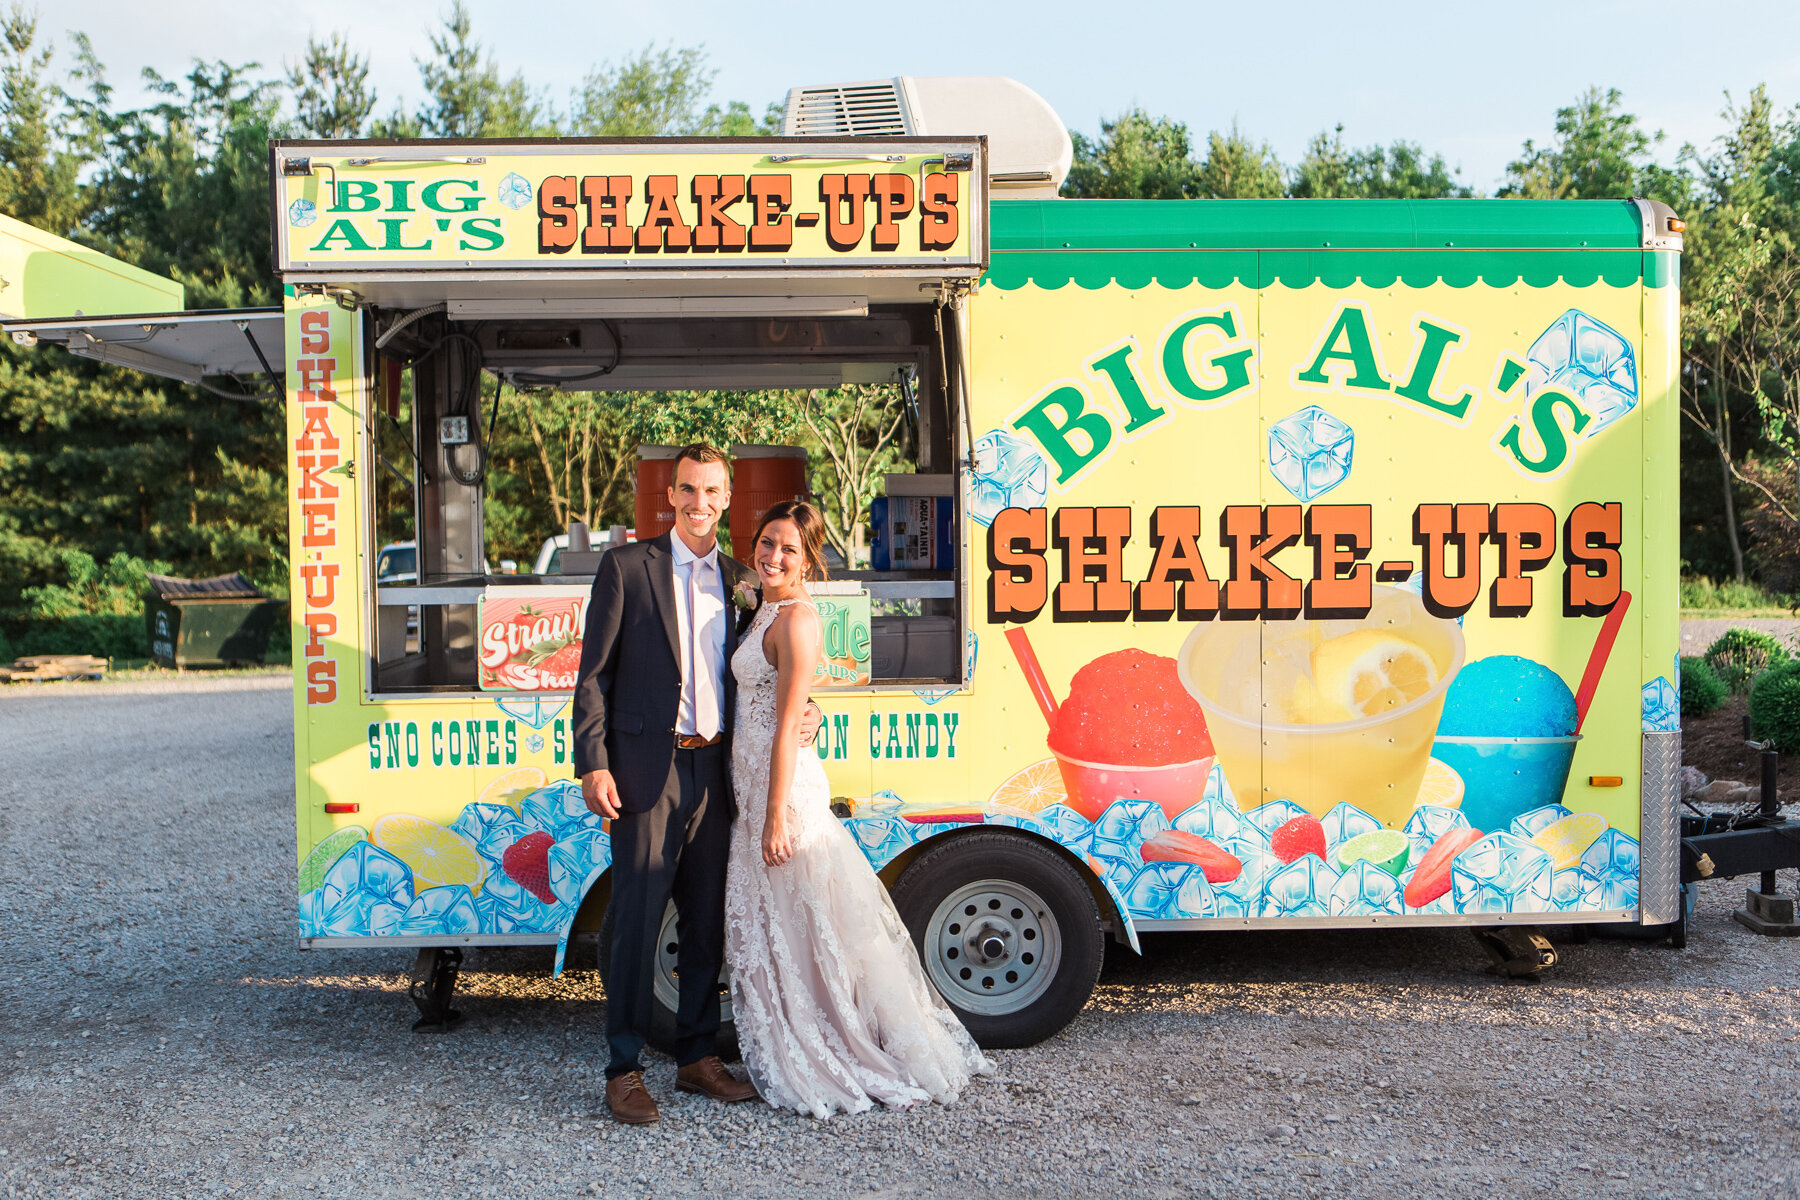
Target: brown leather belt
[{"x": 693, "y": 741}]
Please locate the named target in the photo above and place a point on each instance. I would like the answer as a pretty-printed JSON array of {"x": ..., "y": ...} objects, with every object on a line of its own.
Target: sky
[{"x": 1469, "y": 81}]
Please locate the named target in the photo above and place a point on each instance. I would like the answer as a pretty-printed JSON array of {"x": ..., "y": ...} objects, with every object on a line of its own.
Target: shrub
[
  {"x": 1740, "y": 655},
  {"x": 1775, "y": 707},
  {"x": 106, "y": 635},
  {"x": 1698, "y": 591},
  {"x": 1701, "y": 688}
]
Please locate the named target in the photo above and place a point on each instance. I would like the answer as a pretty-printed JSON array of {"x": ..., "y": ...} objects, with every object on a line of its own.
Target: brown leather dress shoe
[
  {"x": 628, "y": 1102},
  {"x": 709, "y": 1078}
]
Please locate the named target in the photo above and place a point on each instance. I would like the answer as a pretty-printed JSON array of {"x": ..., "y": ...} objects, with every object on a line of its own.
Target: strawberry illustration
[
  {"x": 556, "y": 656},
  {"x": 527, "y": 862}
]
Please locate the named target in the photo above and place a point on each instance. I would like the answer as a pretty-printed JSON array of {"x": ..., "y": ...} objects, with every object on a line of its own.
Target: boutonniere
[{"x": 746, "y": 595}]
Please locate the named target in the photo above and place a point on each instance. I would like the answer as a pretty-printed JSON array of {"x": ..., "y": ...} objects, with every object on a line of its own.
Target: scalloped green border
[{"x": 1011, "y": 270}]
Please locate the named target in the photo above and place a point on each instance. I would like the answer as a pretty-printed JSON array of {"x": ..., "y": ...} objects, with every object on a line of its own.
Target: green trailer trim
[
  {"x": 1314, "y": 225},
  {"x": 1010, "y": 271}
]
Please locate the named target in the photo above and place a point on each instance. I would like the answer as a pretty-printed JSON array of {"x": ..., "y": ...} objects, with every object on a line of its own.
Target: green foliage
[
  {"x": 89, "y": 608},
  {"x": 1775, "y": 707},
  {"x": 1137, "y": 157},
  {"x": 1599, "y": 153},
  {"x": 1701, "y": 592},
  {"x": 1402, "y": 171},
  {"x": 1702, "y": 690},
  {"x": 1235, "y": 168},
  {"x": 467, "y": 98},
  {"x": 330, "y": 88},
  {"x": 1740, "y": 655}
]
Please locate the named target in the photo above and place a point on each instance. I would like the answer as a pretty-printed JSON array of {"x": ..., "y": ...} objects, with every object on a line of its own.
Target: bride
[{"x": 833, "y": 1010}]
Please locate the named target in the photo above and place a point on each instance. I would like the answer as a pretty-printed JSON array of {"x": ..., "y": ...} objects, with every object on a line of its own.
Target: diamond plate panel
[{"x": 1659, "y": 831}]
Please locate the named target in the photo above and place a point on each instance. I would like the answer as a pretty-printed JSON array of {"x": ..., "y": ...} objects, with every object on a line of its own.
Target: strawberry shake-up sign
[{"x": 531, "y": 642}]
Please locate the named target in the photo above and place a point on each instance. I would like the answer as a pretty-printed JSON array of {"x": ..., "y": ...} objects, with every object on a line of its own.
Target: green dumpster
[{"x": 217, "y": 622}]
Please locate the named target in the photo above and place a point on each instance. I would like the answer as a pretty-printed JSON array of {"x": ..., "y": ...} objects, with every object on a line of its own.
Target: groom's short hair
[{"x": 702, "y": 452}]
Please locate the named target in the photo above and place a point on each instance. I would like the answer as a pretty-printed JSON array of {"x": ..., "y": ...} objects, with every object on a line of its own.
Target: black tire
[
  {"x": 1008, "y": 932},
  {"x": 661, "y": 1033}
]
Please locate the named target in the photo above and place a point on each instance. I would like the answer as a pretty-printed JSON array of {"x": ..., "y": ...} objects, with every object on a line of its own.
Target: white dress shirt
[{"x": 711, "y": 632}]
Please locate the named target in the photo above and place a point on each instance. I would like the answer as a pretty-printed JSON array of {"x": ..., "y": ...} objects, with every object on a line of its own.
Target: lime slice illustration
[
  {"x": 1565, "y": 841},
  {"x": 312, "y": 871},
  {"x": 437, "y": 856},
  {"x": 1386, "y": 848}
]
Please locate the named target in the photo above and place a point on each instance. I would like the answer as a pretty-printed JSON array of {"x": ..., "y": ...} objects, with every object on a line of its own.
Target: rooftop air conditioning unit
[{"x": 1028, "y": 146}]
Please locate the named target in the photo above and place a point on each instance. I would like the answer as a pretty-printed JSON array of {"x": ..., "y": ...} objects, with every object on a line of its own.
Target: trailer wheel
[
  {"x": 665, "y": 988},
  {"x": 1008, "y": 932}
]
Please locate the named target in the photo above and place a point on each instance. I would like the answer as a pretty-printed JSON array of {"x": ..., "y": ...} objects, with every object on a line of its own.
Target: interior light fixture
[{"x": 573, "y": 308}]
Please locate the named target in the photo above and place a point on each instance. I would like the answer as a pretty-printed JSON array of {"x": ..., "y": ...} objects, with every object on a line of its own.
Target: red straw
[
  {"x": 1034, "y": 672},
  {"x": 1596, "y": 665}
]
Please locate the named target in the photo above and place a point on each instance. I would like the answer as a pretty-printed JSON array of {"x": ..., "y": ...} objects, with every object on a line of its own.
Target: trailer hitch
[{"x": 1517, "y": 951}]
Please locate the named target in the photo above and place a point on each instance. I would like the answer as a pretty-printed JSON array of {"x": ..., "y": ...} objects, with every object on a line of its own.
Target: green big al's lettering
[{"x": 1056, "y": 436}]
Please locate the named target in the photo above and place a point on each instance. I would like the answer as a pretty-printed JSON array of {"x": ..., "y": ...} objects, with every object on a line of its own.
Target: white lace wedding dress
[{"x": 833, "y": 1010}]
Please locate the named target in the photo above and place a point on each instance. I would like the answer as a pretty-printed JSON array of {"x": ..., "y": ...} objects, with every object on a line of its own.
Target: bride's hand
[{"x": 777, "y": 847}]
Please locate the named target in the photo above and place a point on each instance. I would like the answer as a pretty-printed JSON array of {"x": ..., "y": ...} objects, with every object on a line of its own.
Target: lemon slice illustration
[
  {"x": 513, "y": 787},
  {"x": 1441, "y": 786},
  {"x": 1371, "y": 671},
  {"x": 312, "y": 871},
  {"x": 1565, "y": 841},
  {"x": 437, "y": 856},
  {"x": 1386, "y": 848},
  {"x": 1036, "y": 787}
]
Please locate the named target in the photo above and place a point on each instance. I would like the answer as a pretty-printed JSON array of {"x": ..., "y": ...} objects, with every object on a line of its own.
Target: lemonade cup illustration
[{"x": 1326, "y": 712}]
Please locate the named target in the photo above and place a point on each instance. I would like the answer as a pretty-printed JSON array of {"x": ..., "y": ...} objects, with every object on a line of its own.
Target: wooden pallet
[{"x": 39, "y": 668}]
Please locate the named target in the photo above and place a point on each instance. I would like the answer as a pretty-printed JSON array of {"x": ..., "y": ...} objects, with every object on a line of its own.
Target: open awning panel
[{"x": 243, "y": 343}]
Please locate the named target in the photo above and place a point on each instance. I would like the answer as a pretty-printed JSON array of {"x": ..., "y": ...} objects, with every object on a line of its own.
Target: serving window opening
[{"x": 505, "y": 441}]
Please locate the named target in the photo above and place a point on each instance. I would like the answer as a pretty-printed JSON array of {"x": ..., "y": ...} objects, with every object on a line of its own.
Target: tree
[
  {"x": 859, "y": 429},
  {"x": 1402, "y": 171},
  {"x": 1136, "y": 158},
  {"x": 331, "y": 93},
  {"x": 653, "y": 93},
  {"x": 37, "y": 177},
  {"x": 1237, "y": 169},
  {"x": 465, "y": 96},
  {"x": 1599, "y": 153}
]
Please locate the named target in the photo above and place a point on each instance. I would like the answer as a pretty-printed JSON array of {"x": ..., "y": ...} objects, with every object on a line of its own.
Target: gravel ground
[{"x": 161, "y": 1036}]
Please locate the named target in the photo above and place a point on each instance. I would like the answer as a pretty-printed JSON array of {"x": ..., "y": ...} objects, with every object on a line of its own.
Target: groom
[{"x": 652, "y": 721}]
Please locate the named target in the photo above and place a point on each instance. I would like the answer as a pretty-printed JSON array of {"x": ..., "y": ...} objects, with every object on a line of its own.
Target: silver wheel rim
[
  {"x": 992, "y": 947},
  {"x": 665, "y": 982}
]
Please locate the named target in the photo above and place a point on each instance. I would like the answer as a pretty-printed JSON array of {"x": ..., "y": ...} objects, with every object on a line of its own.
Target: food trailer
[{"x": 1264, "y": 564}]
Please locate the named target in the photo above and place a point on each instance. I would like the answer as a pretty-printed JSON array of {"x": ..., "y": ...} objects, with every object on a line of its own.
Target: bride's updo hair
[{"x": 812, "y": 533}]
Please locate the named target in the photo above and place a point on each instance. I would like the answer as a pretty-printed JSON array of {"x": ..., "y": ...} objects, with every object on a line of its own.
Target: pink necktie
[{"x": 706, "y": 707}]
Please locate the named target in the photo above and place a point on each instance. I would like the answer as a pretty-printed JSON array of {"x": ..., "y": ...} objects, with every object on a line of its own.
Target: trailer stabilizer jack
[
  {"x": 1767, "y": 914},
  {"x": 1518, "y": 951},
  {"x": 433, "y": 981}
]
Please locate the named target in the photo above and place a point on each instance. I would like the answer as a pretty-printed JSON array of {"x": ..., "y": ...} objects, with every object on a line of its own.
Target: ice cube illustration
[
  {"x": 1302, "y": 888},
  {"x": 1530, "y": 824},
  {"x": 1310, "y": 452},
  {"x": 312, "y": 914},
  {"x": 1501, "y": 873},
  {"x": 514, "y": 191},
  {"x": 1067, "y": 826},
  {"x": 558, "y": 809},
  {"x": 302, "y": 213},
  {"x": 881, "y": 838},
  {"x": 886, "y": 801},
  {"x": 1125, "y": 826},
  {"x": 1242, "y": 897},
  {"x": 1565, "y": 888},
  {"x": 1590, "y": 361},
  {"x": 1609, "y": 891},
  {"x": 477, "y": 819},
  {"x": 1265, "y": 819},
  {"x": 576, "y": 859},
  {"x": 1445, "y": 903},
  {"x": 1344, "y": 822},
  {"x": 1167, "y": 890},
  {"x": 1365, "y": 890},
  {"x": 1211, "y": 819},
  {"x": 534, "y": 743},
  {"x": 1119, "y": 872},
  {"x": 1662, "y": 707},
  {"x": 1009, "y": 473},
  {"x": 535, "y": 711},
  {"x": 369, "y": 871},
  {"x": 502, "y": 890},
  {"x": 1218, "y": 788},
  {"x": 1614, "y": 854},
  {"x": 437, "y": 910},
  {"x": 1428, "y": 823},
  {"x": 497, "y": 837}
]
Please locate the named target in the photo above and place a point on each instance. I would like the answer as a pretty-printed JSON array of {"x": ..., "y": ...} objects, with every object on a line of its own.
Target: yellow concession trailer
[{"x": 1264, "y": 565}]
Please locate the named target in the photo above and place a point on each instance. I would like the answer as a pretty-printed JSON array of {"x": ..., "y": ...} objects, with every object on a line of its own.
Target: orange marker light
[
  {"x": 1606, "y": 781},
  {"x": 1677, "y": 225}
]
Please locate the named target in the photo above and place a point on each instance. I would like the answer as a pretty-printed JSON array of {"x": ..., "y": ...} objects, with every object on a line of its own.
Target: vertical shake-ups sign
[{"x": 317, "y": 479}]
